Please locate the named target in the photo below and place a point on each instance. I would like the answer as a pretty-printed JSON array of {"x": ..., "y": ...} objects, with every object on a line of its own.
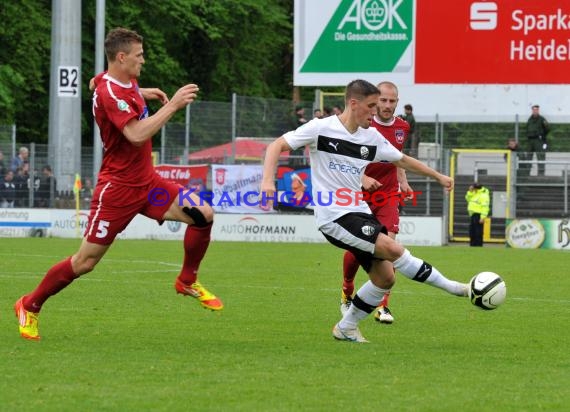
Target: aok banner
[
  {"x": 432, "y": 42},
  {"x": 337, "y": 41}
]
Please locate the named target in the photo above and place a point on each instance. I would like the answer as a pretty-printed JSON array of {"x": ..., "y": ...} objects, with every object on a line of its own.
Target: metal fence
[
  {"x": 492, "y": 133},
  {"x": 208, "y": 123},
  {"x": 266, "y": 119}
]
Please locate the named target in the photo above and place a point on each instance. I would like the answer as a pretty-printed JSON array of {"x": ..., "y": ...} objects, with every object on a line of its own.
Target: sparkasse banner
[{"x": 505, "y": 42}]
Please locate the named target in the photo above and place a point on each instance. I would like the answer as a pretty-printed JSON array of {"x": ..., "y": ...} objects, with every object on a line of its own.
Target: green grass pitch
[{"x": 120, "y": 339}]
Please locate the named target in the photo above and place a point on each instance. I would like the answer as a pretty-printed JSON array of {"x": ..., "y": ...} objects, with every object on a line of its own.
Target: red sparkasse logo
[
  {"x": 483, "y": 16},
  {"x": 493, "y": 42}
]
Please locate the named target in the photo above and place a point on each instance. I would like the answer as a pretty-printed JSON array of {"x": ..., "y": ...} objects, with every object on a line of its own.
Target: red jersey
[
  {"x": 396, "y": 132},
  {"x": 114, "y": 105}
]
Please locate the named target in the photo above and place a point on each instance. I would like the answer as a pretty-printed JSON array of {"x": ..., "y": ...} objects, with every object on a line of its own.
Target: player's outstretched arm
[
  {"x": 270, "y": 165},
  {"x": 149, "y": 93},
  {"x": 154, "y": 93},
  {"x": 404, "y": 185},
  {"x": 412, "y": 165},
  {"x": 369, "y": 183},
  {"x": 139, "y": 131}
]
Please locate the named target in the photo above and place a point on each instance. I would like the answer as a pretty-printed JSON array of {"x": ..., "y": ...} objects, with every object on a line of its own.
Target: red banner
[
  {"x": 188, "y": 176},
  {"x": 501, "y": 41}
]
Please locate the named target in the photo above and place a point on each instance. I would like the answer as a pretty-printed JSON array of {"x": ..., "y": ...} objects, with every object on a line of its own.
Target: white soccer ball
[{"x": 487, "y": 290}]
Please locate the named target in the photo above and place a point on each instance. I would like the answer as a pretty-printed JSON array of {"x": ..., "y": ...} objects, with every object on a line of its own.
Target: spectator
[
  {"x": 513, "y": 146},
  {"x": 317, "y": 114},
  {"x": 87, "y": 189},
  {"x": 20, "y": 159},
  {"x": 327, "y": 111},
  {"x": 336, "y": 110},
  {"x": 300, "y": 116},
  {"x": 7, "y": 190},
  {"x": 46, "y": 191},
  {"x": 2, "y": 165},
  {"x": 413, "y": 141},
  {"x": 21, "y": 177},
  {"x": 537, "y": 129},
  {"x": 478, "y": 202}
]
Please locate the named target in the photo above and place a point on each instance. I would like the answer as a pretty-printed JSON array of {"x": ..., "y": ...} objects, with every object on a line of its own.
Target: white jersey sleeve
[
  {"x": 306, "y": 134},
  {"x": 386, "y": 152}
]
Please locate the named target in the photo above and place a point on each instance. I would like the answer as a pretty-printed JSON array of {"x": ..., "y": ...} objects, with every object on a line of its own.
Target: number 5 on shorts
[{"x": 102, "y": 229}]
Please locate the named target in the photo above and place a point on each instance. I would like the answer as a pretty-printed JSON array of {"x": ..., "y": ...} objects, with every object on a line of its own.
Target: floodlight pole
[
  {"x": 64, "y": 134},
  {"x": 99, "y": 67},
  {"x": 234, "y": 127},
  {"x": 186, "y": 136}
]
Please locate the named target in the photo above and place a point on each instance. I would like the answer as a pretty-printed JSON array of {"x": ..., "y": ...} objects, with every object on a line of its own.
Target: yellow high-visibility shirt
[{"x": 478, "y": 201}]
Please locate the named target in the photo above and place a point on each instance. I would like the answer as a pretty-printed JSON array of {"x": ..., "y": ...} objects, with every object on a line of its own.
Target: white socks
[
  {"x": 365, "y": 301},
  {"x": 421, "y": 271},
  {"x": 369, "y": 296}
]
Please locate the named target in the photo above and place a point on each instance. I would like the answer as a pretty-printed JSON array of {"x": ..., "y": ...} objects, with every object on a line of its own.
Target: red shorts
[
  {"x": 388, "y": 215},
  {"x": 115, "y": 205}
]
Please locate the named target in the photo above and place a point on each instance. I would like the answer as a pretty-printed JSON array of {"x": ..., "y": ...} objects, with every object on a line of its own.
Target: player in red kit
[
  {"x": 387, "y": 181},
  {"x": 127, "y": 183}
]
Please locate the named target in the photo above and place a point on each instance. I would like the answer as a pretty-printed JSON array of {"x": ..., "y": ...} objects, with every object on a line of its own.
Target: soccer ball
[{"x": 487, "y": 290}]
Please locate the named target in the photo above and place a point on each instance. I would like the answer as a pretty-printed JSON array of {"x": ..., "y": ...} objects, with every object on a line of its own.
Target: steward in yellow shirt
[{"x": 478, "y": 201}]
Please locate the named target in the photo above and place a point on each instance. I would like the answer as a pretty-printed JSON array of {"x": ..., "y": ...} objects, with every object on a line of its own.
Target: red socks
[
  {"x": 56, "y": 279},
  {"x": 349, "y": 268},
  {"x": 196, "y": 242},
  {"x": 385, "y": 299}
]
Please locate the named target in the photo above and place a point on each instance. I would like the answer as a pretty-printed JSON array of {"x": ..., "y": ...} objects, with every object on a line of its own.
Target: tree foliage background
[{"x": 225, "y": 46}]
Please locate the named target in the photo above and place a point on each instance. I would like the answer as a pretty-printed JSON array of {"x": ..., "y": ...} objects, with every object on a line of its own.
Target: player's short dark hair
[
  {"x": 359, "y": 89},
  {"x": 408, "y": 107},
  {"x": 120, "y": 40},
  {"x": 535, "y": 106}
]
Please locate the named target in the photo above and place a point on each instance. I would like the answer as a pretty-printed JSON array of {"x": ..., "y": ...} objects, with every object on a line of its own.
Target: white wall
[{"x": 424, "y": 231}]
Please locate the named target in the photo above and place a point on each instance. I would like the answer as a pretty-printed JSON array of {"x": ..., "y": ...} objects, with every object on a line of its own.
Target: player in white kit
[{"x": 340, "y": 149}]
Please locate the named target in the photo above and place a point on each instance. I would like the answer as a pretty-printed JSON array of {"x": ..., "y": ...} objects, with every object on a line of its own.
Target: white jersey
[{"x": 338, "y": 160}]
